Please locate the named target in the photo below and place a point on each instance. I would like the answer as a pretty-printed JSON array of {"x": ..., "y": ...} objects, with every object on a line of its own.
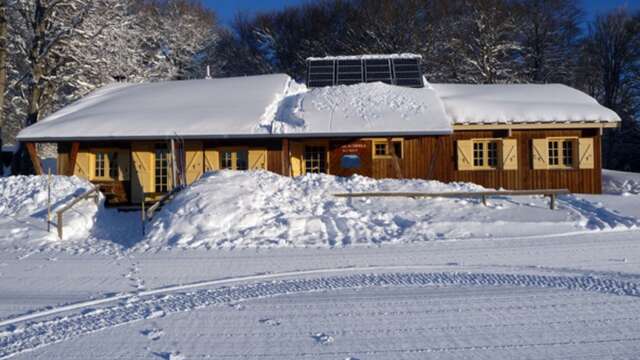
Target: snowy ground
[{"x": 573, "y": 293}]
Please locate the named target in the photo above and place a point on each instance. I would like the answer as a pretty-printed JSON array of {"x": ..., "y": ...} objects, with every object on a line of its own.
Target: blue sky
[{"x": 227, "y": 9}]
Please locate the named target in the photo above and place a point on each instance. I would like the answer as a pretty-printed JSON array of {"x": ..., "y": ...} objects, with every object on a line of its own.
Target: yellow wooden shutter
[
  {"x": 585, "y": 153},
  {"x": 123, "y": 164},
  {"x": 540, "y": 153},
  {"x": 82, "y": 167},
  {"x": 509, "y": 154},
  {"x": 194, "y": 161},
  {"x": 297, "y": 161},
  {"x": 142, "y": 181},
  {"x": 211, "y": 160},
  {"x": 257, "y": 159},
  {"x": 465, "y": 154}
]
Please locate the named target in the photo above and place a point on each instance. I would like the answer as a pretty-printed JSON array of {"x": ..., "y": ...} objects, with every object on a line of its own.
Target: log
[{"x": 35, "y": 159}]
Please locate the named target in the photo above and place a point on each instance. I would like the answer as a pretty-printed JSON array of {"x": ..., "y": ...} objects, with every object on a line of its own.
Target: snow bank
[
  {"x": 520, "y": 103},
  {"x": 620, "y": 182},
  {"x": 371, "y": 108},
  {"x": 23, "y": 209},
  {"x": 252, "y": 209}
]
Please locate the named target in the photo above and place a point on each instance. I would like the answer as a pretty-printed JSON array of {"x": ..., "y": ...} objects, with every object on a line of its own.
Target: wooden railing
[
  {"x": 147, "y": 214},
  {"x": 551, "y": 193},
  {"x": 60, "y": 212}
]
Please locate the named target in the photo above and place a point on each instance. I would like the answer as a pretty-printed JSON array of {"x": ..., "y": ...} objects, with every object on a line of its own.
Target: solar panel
[{"x": 401, "y": 71}]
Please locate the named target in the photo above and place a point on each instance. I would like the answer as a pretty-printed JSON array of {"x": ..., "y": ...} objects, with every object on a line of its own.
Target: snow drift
[{"x": 253, "y": 209}]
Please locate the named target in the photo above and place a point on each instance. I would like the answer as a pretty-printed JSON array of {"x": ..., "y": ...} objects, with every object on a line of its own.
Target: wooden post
[
  {"x": 286, "y": 158},
  {"x": 484, "y": 200},
  {"x": 73, "y": 157},
  {"x": 144, "y": 215},
  {"x": 35, "y": 160},
  {"x": 59, "y": 224},
  {"x": 174, "y": 166},
  {"x": 553, "y": 201},
  {"x": 49, "y": 202}
]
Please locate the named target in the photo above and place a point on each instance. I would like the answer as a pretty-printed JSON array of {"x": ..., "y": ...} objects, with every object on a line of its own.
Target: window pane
[
  {"x": 381, "y": 149},
  {"x": 242, "y": 160},
  {"x": 314, "y": 159},
  {"x": 492, "y": 154},
  {"x": 162, "y": 170},
  {"x": 567, "y": 153},
  {"x": 113, "y": 165},
  {"x": 99, "y": 164},
  {"x": 226, "y": 160},
  {"x": 553, "y": 153},
  {"x": 478, "y": 154}
]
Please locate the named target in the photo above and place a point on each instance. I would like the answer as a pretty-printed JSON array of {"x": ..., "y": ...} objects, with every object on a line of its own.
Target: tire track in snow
[{"x": 18, "y": 339}]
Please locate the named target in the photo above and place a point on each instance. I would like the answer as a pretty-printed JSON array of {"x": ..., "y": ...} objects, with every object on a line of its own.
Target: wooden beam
[
  {"x": 73, "y": 157},
  {"x": 35, "y": 160},
  {"x": 394, "y": 158}
]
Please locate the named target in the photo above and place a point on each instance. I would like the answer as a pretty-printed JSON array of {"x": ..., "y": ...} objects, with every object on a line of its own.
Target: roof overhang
[{"x": 239, "y": 136}]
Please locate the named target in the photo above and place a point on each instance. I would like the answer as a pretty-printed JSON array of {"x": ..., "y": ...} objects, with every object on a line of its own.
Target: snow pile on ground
[
  {"x": 252, "y": 209},
  {"x": 23, "y": 207},
  {"x": 362, "y": 108},
  {"x": 619, "y": 182},
  {"x": 23, "y": 213}
]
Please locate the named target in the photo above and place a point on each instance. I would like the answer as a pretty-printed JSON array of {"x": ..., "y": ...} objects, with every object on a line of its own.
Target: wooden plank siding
[
  {"x": 434, "y": 157},
  {"x": 424, "y": 157}
]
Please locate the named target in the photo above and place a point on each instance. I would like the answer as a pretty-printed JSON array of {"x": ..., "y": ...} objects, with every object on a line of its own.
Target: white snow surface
[
  {"x": 215, "y": 107},
  {"x": 368, "y": 56},
  {"x": 262, "y": 209},
  {"x": 371, "y": 108},
  {"x": 620, "y": 182},
  {"x": 520, "y": 103}
]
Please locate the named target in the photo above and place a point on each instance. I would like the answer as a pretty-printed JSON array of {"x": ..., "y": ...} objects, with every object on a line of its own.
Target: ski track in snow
[{"x": 19, "y": 337}]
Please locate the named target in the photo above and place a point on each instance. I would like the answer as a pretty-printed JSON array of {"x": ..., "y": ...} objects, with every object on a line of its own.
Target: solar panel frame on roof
[{"x": 391, "y": 70}]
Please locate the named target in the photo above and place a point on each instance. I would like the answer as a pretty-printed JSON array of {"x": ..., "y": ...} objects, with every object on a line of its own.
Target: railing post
[
  {"x": 59, "y": 225},
  {"x": 553, "y": 201},
  {"x": 484, "y": 199},
  {"x": 144, "y": 216}
]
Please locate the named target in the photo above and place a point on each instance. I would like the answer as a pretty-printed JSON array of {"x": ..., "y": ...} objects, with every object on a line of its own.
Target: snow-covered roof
[
  {"x": 277, "y": 106},
  {"x": 253, "y": 106},
  {"x": 368, "y": 57},
  {"x": 189, "y": 108},
  {"x": 520, "y": 103},
  {"x": 366, "y": 108}
]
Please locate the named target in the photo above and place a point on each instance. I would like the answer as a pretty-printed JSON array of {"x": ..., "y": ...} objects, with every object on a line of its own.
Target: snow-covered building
[{"x": 370, "y": 115}]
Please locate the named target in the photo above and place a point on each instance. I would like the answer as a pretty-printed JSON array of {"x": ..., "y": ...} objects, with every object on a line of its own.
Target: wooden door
[{"x": 142, "y": 155}]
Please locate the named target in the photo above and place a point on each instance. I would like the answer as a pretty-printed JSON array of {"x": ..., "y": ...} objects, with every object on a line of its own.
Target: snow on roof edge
[{"x": 367, "y": 57}]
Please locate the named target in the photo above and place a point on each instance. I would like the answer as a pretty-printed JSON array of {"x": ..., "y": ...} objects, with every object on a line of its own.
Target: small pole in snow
[
  {"x": 49, "y": 201},
  {"x": 208, "y": 73}
]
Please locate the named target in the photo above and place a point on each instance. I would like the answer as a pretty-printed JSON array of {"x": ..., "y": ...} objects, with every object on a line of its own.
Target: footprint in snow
[
  {"x": 270, "y": 322},
  {"x": 170, "y": 355},
  {"x": 152, "y": 334},
  {"x": 323, "y": 339}
]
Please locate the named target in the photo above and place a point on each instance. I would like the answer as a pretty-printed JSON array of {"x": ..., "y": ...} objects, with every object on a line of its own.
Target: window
[
  {"x": 162, "y": 170},
  {"x": 234, "y": 159},
  {"x": 113, "y": 165},
  {"x": 485, "y": 154},
  {"x": 314, "y": 159},
  {"x": 100, "y": 160},
  {"x": 561, "y": 153},
  {"x": 381, "y": 148},
  {"x": 106, "y": 165}
]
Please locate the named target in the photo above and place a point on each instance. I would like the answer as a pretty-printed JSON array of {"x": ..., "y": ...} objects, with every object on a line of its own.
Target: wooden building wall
[
  {"x": 424, "y": 157},
  {"x": 434, "y": 157}
]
